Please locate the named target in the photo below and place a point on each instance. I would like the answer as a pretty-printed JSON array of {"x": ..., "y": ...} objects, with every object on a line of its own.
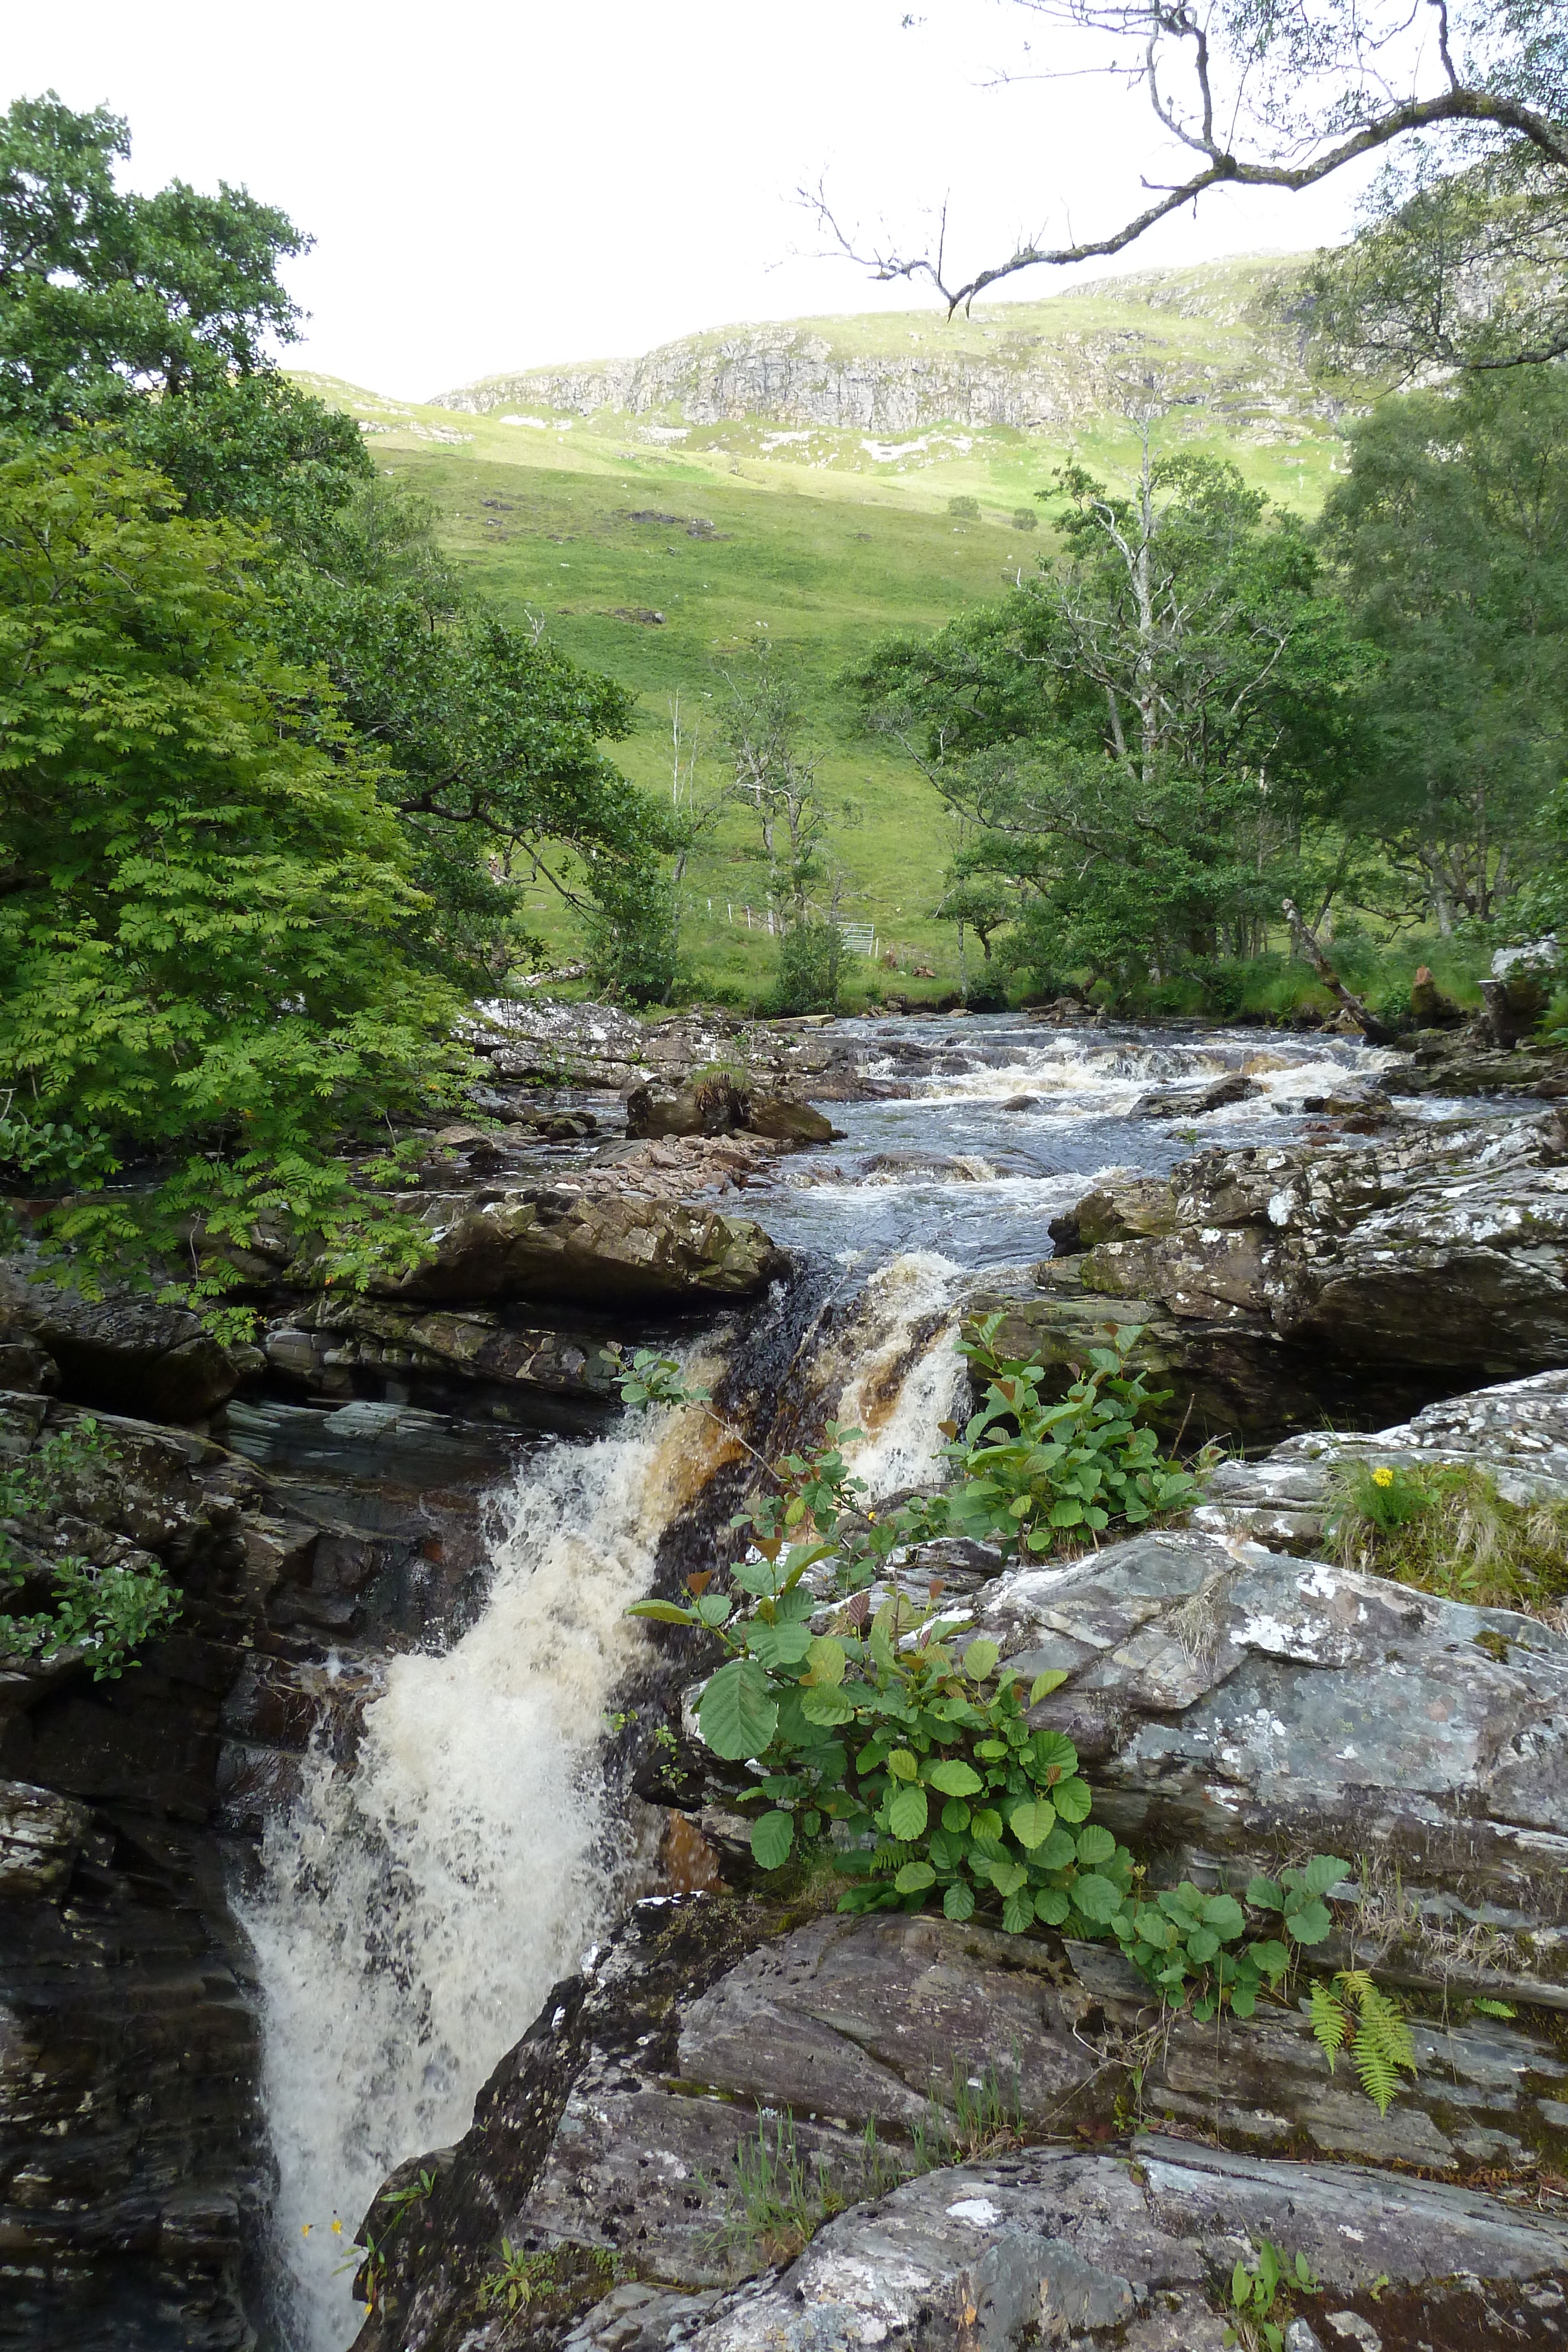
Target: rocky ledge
[
  {"x": 1020, "y": 2145},
  {"x": 1278, "y": 1284}
]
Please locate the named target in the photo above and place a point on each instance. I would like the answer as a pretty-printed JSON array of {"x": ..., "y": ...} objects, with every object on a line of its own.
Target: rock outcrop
[
  {"x": 1236, "y": 1708},
  {"x": 567, "y": 1243},
  {"x": 1277, "y": 1284}
]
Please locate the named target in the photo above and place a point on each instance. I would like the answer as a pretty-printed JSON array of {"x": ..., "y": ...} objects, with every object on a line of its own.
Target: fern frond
[
  {"x": 1383, "y": 2048},
  {"x": 1332, "y": 2022}
]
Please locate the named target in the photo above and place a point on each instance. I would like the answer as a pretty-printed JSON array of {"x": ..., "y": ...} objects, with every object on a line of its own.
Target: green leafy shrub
[
  {"x": 105, "y": 1612},
  {"x": 1446, "y": 1529},
  {"x": 964, "y": 509},
  {"x": 811, "y": 956},
  {"x": 908, "y": 1761},
  {"x": 1025, "y": 519},
  {"x": 1257, "y": 2299},
  {"x": 1035, "y": 1471}
]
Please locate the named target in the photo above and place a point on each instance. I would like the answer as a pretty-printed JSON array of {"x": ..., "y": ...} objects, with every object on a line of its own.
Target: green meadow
[{"x": 817, "y": 540}]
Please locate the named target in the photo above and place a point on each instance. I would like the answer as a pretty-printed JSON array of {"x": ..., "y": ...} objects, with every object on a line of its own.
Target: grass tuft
[{"x": 1448, "y": 1531}]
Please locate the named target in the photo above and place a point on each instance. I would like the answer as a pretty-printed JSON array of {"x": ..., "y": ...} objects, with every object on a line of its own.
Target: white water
[
  {"x": 897, "y": 1403},
  {"x": 417, "y": 1906}
]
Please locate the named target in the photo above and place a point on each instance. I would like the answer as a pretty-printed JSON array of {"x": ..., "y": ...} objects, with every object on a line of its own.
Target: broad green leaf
[
  {"x": 1017, "y": 1912},
  {"x": 959, "y": 1902},
  {"x": 1032, "y": 1821},
  {"x": 825, "y": 1706},
  {"x": 1072, "y": 1799},
  {"x": 1054, "y": 1751},
  {"x": 987, "y": 1821},
  {"x": 737, "y": 1713},
  {"x": 955, "y": 1778},
  {"x": 714, "y": 1608},
  {"x": 980, "y": 1660},
  {"x": 1310, "y": 1925},
  {"x": 906, "y": 1815},
  {"x": 1264, "y": 1895},
  {"x": 1202, "y": 1944},
  {"x": 663, "y": 1612},
  {"x": 1051, "y": 1905},
  {"x": 1095, "y": 1844},
  {"x": 1243, "y": 2000},
  {"x": 772, "y": 1835},
  {"x": 1056, "y": 1852},
  {"x": 1323, "y": 1871},
  {"x": 826, "y": 1660},
  {"x": 1270, "y": 1959},
  {"x": 1224, "y": 1914},
  {"x": 1007, "y": 1878},
  {"x": 1097, "y": 1898},
  {"x": 902, "y": 1764},
  {"x": 776, "y": 1645},
  {"x": 1067, "y": 1513},
  {"x": 913, "y": 1876},
  {"x": 1043, "y": 1685}
]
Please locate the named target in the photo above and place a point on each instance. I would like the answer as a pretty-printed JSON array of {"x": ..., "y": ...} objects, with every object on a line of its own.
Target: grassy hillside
[{"x": 818, "y": 539}]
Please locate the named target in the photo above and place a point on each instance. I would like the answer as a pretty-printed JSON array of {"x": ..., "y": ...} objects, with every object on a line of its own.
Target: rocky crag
[{"x": 1027, "y": 365}]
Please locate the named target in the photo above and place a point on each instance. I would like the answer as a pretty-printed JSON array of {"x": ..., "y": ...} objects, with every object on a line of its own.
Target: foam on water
[{"x": 416, "y": 1906}]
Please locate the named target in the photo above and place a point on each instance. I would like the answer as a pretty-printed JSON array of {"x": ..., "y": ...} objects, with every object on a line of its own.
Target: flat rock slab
[
  {"x": 1517, "y": 1433},
  {"x": 1243, "y": 1702},
  {"x": 1059, "y": 2248},
  {"x": 557, "y": 1243}
]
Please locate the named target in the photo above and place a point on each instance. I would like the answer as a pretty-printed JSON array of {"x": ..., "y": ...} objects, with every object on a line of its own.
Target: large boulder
[
  {"x": 1132, "y": 2250},
  {"x": 1282, "y": 1283},
  {"x": 593, "y": 1248},
  {"x": 1233, "y": 1702},
  {"x": 118, "y": 1354}
]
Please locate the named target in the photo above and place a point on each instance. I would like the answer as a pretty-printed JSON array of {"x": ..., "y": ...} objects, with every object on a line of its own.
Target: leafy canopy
[
  {"x": 1142, "y": 742},
  {"x": 210, "y": 936},
  {"x": 105, "y": 294}
]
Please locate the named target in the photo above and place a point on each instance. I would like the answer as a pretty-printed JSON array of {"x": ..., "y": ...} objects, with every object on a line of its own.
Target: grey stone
[
  {"x": 1055, "y": 2247},
  {"x": 1237, "y": 1700}
]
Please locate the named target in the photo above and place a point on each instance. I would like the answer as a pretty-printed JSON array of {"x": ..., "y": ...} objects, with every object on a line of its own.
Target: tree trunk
[{"x": 1369, "y": 1024}]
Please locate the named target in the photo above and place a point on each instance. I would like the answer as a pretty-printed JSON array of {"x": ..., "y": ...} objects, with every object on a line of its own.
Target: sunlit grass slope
[{"x": 816, "y": 541}]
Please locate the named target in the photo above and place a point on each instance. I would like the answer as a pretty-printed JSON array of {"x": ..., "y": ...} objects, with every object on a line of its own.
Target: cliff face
[{"x": 1219, "y": 337}]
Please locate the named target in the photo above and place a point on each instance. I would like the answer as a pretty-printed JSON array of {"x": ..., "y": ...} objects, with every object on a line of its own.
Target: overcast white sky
[{"x": 494, "y": 183}]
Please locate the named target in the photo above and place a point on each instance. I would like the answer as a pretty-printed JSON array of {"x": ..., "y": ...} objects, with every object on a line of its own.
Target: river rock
[
  {"x": 1233, "y": 1702},
  {"x": 336, "y": 1345},
  {"x": 560, "y": 1242},
  {"x": 1057, "y": 2247},
  {"x": 1279, "y": 1283},
  {"x": 128, "y": 2146},
  {"x": 119, "y": 1354}
]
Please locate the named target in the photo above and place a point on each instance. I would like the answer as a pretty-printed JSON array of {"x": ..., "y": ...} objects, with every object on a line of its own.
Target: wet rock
[
  {"x": 1335, "y": 1271},
  {"x": 555, "y": 1243},
  {"x": 1232, "y": 1701},
  {"x": 1470, "y": 1063},
  {"x": 1517, "y": 1433},
  {"x": 336, "y": 1344},
  {"x": 714, "y": 1105},
  {"x": 1191, "y": 1102},
  {"x": 783, "y": 1121},
  {"x": 126, "y": 2069},
  {"x": 118, "y": 1354},
  {"x": 1064, "y": 2248}
]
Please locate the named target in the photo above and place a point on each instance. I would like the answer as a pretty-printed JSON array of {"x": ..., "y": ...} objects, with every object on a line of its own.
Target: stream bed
[{"x": 420, "y": 1894}]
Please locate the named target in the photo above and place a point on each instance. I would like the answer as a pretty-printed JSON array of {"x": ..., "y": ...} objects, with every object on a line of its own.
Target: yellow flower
[
  {"x": 304, "y": 2229},
  {"x": 336, "y": 2229},
  {"x": 1383, "y": 1477}
]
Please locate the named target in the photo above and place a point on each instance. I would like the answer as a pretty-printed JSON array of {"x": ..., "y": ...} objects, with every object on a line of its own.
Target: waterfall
[
  {"x": 904, "y": 1376},
  {"x": 415, "y": 1906}
]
